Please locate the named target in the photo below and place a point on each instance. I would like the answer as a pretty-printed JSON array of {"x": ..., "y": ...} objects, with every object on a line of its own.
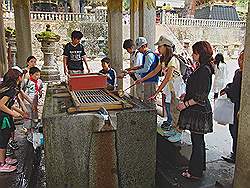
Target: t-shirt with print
[
  {"x": 74, "y": 55},
  {"x": 30, "y": 88}
]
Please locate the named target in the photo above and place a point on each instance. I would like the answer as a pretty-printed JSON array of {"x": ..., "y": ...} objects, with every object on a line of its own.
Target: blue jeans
[{"x": 169, "y": 115}]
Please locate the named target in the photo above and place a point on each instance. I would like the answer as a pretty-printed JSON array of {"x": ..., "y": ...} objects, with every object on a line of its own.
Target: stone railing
[
  {"x": 173, "y": 20},
  {"x": 99, "y": 16}
]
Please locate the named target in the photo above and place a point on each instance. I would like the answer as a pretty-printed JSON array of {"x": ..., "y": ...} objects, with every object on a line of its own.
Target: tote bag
[
  {"x": 179, "y": 86},
  {"x": 224, "y": 111}
]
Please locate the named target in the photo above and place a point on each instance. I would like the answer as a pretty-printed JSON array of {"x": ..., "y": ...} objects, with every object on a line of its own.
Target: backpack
[
  {"x": 185, "y": 68},
  {"x": 157, "y": 59}
]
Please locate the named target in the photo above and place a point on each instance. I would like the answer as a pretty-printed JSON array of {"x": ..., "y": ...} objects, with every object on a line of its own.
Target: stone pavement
[
  {"x": 173, "y": 158},
  {"x": 27, "y": 173}
]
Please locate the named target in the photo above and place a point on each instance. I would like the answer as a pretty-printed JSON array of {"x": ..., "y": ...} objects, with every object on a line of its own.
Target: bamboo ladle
[{"x": 121, "y": 92}]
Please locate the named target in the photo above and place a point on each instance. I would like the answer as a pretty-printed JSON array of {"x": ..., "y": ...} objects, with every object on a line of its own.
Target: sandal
[
  {"x": 187, "y": 175},
  {"x": 7, "y": 168},
  {"x": 10, "y": 161}
]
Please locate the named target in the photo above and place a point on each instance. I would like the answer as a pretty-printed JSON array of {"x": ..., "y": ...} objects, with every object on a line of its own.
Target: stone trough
[{"x": 88, "y": 149}]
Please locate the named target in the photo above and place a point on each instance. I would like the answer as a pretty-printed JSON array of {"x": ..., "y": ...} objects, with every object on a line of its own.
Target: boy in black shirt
[{"x": 74, "y": 55}]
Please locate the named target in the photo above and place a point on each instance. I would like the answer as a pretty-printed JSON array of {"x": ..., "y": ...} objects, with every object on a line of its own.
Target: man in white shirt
[{"x": 136, "y": 62}]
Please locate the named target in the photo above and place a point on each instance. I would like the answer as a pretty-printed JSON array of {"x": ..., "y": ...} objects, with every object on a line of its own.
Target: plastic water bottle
[{"x": 41, "y": 139}]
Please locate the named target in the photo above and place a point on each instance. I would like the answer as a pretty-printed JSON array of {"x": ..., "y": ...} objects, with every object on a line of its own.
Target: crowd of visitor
[{"x": 185, "y": 81}]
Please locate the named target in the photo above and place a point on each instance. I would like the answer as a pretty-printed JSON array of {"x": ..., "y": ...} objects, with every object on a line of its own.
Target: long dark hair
[
  {"x": 168, "y": 56},
  {"x": 10, "y": 80},
  {"x": 218, "y": 58},
  {"x": 205, "y": 51}
]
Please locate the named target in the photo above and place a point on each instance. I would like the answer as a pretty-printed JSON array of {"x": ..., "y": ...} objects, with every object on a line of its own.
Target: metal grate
[
  {"x": 93, "y": 100},
  {"x": 93, "y": 96}
]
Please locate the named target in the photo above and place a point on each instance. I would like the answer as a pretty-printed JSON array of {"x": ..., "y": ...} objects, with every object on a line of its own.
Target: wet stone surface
[{"x": 29, "y": 171}]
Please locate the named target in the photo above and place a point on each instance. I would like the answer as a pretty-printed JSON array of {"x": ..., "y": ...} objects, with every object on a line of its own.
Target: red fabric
[{"x": 36, "y": 84}]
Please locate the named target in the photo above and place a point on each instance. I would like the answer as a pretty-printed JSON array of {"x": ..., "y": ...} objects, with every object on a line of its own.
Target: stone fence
[
  {"x": 174, "y": 20},
  {"x": 98, "y": 16},
  {"x": 101, "y": 16}
]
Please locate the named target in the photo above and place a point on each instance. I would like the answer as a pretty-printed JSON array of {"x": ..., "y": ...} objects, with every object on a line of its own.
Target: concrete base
[
  {"x": 79, "y": 155},
  {"x": 50, "y": 74}
]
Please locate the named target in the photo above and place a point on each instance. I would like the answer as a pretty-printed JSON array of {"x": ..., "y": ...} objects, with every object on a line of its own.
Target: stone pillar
[
  {"x": 13, "y": 50},
  {"x": 3, "y": 52},
  {"x": 115, "y": 36},
  {"x": 23, "y": 30},
  {"x": 134, "y": 31},
  {"x": 242, "y": 167},
  {"x": 147, "y": 21},
  {"x": 147, "y": 29},
  {"x": 134, "y": 19},
  {"x": 49, "y": 72}
]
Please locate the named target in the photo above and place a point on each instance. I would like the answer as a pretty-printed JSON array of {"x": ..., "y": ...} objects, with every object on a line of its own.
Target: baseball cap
[
  {"x": 18, "y": 68},
  {"x": 164, "y": 41},
  {"x": 140, "y": 41}
]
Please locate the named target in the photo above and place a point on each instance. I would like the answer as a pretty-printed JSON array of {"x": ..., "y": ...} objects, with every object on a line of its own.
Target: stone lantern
[
  {"x": 49, "y": 72},
  {"x": 101, "y": 44},
  {"x": 10, "y": 35}
]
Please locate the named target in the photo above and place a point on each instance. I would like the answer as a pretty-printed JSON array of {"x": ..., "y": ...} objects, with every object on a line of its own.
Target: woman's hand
[
  {"x": 16, "y": 114},
  {"x": 181, "y": 106},
  {"x": 222, "y": 92},
  {"x": 26, "y": 115},
  {"x": 153, "y": 97},
  {"x": 34, "y": 108},
  {"x": 182, "y": 96}
]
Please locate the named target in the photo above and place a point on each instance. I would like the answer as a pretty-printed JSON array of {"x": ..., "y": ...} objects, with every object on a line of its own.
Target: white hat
[
  {"x": 164, "y": 41},
  {"x": 18, "y": 68},
  {"x": 140, "y": 41}
]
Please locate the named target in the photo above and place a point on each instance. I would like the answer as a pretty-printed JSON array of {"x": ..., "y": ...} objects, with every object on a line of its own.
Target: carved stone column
[
  {"x": 242, "y": 166},
  {"x": 115, "y": 35},
  {"x": 10, "y": 35},
  {"x": 23, "y": 30},
  {"x": 49, "y": 72}
]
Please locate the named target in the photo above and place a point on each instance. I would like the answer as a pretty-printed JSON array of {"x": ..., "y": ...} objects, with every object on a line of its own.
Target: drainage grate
[
  {"x": 93, "y": 96},
  {"x": 93, "y": 100}
]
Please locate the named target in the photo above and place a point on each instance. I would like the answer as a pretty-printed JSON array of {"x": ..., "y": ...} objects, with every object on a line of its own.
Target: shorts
[
  {"x": 13, "y": 127},
  {"x": 5, "y": 135}
]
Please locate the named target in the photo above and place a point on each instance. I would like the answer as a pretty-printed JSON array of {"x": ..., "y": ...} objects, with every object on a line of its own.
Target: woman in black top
[
  {"x": 9, "y": 89},
  {"x": 196, "y": 111}
]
